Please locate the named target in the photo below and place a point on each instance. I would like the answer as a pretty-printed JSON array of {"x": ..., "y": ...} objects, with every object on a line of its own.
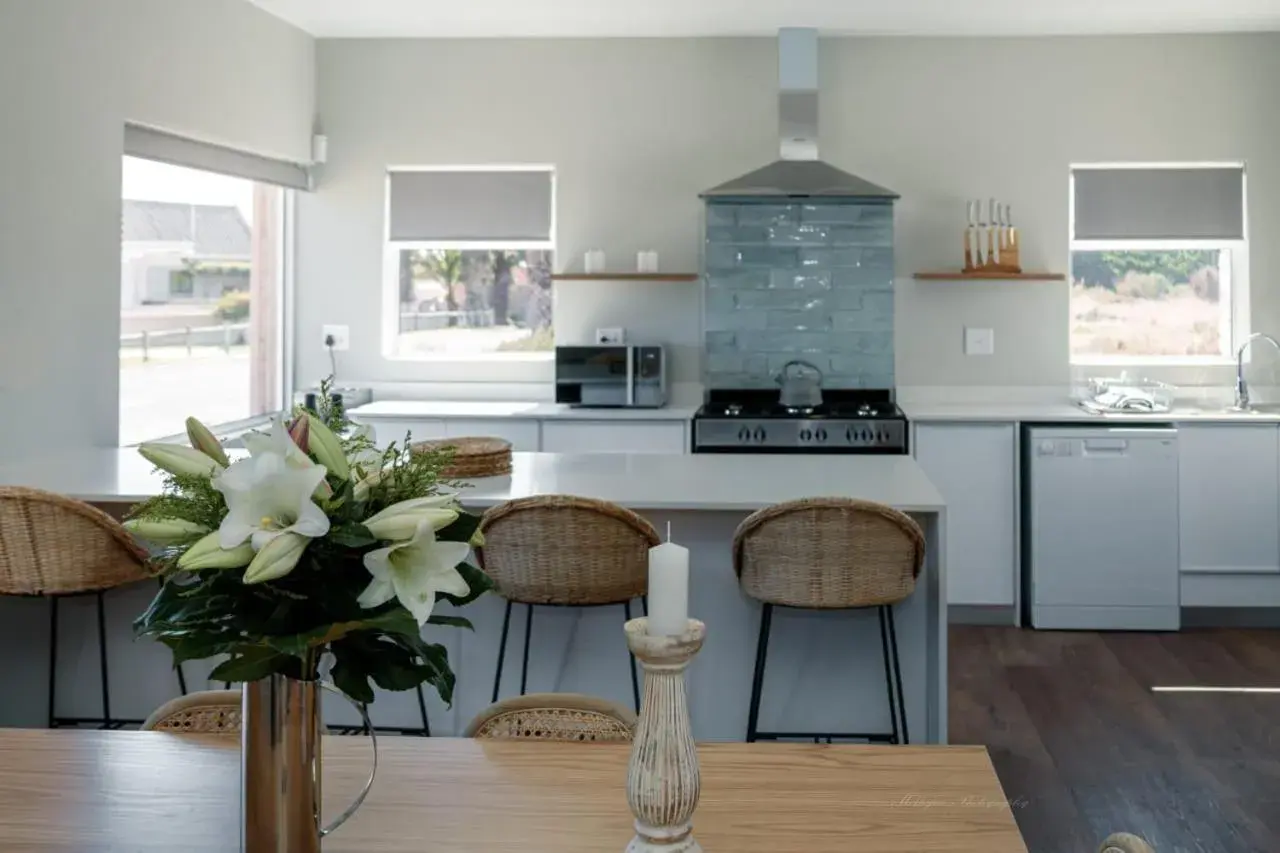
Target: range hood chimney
[{"x": 799, "y": 173}]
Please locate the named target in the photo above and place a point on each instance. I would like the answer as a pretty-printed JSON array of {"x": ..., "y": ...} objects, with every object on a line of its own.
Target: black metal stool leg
[
  {"x": 757, "y": 681},
  {"x": 888, "y": 672},
  {"x": 635, "y": 678},
  {"x": 897, "y": 673},
  {"x": 107, "y": 723},
  {"x": 502, "y": 651},
  {"x": 53, "y": 660},
  {"x": 528, "y": 631},
  {"x": 422, "y": 706},
  {"x": 644, "y": 605}
]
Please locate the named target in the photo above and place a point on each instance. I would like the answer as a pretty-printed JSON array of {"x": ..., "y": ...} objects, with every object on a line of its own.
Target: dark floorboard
[{"x": 1083, "y": 747}]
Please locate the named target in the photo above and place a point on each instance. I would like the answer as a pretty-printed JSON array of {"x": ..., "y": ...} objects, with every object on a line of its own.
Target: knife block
[{"x": 977, "y": 257}]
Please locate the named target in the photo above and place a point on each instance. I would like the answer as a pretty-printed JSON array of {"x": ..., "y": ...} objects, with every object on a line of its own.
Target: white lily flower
[
  {"x": 415, "y": 572},
  {"x": 165, "y": 531},
  {"x": 327, "y": 448},
  {"x": 277, "y": 558},
  {"x": 278, "y": 441},
  {"x": 177, "y": 459},
  {"x": 207, "y": 553},
  {"x": 400, "y": 521},
  {"x": 266, "y": 496}
]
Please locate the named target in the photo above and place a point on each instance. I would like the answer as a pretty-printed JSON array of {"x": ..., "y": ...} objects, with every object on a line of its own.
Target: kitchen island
[{"x": 825, "y": 670}]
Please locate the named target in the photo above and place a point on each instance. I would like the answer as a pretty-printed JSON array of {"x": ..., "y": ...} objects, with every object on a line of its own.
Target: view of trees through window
[
  {"x": 1171, "y": 302},
  {"x": 471, "y": 301}
]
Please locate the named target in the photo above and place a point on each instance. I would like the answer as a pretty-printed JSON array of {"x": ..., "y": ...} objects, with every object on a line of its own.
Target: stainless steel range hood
[{"x": 799, "y": 173}]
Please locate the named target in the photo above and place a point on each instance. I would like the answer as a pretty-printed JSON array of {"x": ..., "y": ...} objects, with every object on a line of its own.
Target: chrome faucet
[{"x": 1242, "y": 387}]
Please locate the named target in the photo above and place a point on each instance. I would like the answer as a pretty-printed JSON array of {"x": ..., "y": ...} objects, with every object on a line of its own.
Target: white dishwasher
[{"x": 1100, "y": 543}]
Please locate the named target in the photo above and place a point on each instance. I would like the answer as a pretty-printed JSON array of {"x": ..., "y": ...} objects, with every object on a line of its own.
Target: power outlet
[
  {"x": 610, "y": 335},
  {"x": 979, "y": 341},
  {"x": 341, "y": 337}
]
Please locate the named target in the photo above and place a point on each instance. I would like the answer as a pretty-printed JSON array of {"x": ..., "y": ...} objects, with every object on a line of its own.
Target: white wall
[
  {"x": 636, "y": 128},
  {"x": 72, "y": 72}
]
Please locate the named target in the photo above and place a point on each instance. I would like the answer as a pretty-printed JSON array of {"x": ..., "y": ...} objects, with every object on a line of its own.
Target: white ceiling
[{"x": 601, "y": 18}]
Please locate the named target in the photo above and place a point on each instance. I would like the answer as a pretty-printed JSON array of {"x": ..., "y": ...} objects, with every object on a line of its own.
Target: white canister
[
  {"x": 593, "y": 261},
  {"x": 647, "y": 261}
]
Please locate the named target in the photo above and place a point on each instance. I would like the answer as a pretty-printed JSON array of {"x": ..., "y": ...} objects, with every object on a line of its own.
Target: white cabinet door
[
  {"x": 387, "y": 430},
  {"x": 973, "y": 467},
  {"x": 614, "y": 437},
  {"x": 522, "y": 434},
  {"x": 1229, "y": 487}
]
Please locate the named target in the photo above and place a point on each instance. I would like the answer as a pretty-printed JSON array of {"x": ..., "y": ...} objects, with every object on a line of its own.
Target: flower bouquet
[{"x": 317, "y": 547}]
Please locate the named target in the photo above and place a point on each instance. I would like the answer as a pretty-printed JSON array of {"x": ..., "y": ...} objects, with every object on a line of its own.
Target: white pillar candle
[{"x": 668, "y": 588}]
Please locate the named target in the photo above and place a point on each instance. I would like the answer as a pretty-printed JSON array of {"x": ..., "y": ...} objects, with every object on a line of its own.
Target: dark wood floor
[{"x": 1084, "y": 748}]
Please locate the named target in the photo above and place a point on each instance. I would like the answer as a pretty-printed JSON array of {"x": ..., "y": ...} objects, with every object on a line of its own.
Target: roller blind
[
  {"x": 1202, "y": 203},
  {"x": 179, "y": 151},
  {"x": 513, "y": 205}
]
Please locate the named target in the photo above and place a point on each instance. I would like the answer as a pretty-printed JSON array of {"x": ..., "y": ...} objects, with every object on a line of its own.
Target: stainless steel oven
[{"x": 611, "y": 375}]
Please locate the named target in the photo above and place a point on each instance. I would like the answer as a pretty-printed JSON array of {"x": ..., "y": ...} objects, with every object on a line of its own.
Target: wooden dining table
[{"x": 111, "y": 792}]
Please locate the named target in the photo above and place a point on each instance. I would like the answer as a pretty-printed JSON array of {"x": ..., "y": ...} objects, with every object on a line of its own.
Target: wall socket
[
  {"x": 341, "y": 337},
  {"x": 979, "y": 341},
  {"x": 611, "y": 335}
]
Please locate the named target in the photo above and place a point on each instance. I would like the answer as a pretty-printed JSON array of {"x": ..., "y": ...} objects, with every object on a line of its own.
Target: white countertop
[
  {"x": 483, "y": 410},
  {"x": 637, "y": 480},
  {"x": 1064, "y": 411}
]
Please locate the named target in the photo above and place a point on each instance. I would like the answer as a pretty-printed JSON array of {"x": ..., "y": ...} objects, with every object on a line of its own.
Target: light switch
[{"x": 979, "y": 341}]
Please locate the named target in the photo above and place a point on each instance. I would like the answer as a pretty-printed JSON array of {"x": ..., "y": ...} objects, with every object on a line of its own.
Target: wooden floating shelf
[
  {"x": 625, "y": 276},
  {"x": 960, "y": 275}
]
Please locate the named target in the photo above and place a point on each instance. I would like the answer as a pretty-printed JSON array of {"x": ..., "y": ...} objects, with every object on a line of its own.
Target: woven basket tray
[{"x": 473, "y": 456}]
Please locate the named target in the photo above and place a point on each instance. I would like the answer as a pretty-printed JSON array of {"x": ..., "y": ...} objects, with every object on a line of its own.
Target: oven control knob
[
  {"x": 759, "y": 434},
  {"x": 805, "y": 435},
  {"x": 821, "y": 434},
  {"x": 848, "y": 435},
  {"x": 744, "y": 435}
]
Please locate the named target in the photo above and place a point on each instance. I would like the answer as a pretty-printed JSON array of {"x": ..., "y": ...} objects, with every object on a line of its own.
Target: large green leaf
[
  {"x": 352, "y": 535},
  {"x": 452, "y": 621},
  {"x": 479, "y": 582},
  {"x": 350, "y": 678},
  {"x": 249, "y": 664},
  {"x": 461, "y": 529}
]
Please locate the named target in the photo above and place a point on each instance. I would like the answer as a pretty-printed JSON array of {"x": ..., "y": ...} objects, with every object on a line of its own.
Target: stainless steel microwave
[{"x": 611, "y": 375}]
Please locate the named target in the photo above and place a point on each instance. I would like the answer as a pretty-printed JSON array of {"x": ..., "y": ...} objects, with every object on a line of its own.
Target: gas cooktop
[{"x": 755, "y": 422}]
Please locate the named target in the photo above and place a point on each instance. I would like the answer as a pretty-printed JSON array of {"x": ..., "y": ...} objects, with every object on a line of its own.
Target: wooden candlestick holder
[{"x": 662, "y": 776}]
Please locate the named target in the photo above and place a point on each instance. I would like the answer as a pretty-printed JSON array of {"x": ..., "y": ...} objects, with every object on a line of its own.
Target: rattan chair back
[
  {"x": 828, "y": 553},
  {"x": 555, "y": 717},
  {"x": 560, "y": 549},
  {"x": 51, "y": 544},
  {"x": 207, "y": 712}
]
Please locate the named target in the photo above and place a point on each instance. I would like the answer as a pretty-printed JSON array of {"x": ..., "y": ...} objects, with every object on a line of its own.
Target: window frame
[
  {"x": 1235, "y": 328},
  {"x": 285, "y": 307},
  {"x": 529, "y": 366}
]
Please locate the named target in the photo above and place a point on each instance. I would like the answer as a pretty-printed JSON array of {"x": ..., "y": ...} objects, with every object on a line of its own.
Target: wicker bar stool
[
  {"x": 205, "y": 712},
  {"x": 56, "y": 547},
  {"x": 564, "y": 551},
  {"x": 570, "y": 717},
  {"x": 828, "y": 554}
]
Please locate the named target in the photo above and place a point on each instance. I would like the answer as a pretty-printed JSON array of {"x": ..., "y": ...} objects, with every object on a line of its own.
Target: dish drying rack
[{"x": 1124, "y": 394}]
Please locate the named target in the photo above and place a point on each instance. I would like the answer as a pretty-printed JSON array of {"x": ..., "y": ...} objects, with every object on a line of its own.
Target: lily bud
[
  {"x": 400, "y": 521},
  {"x": 477, "y": 539},
  {"x": 300, "y": 432},
  {"x": 206, "y": 442},
  {"x": 177, "y": 459},
  {"x": 276, "y": 559},
  {"x": 327, "y": 449},
  {"x": 208, "y": 554},
  {"x": 165, "y": 531}
]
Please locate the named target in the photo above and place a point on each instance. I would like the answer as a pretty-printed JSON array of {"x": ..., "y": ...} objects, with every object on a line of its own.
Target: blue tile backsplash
[{"x": 805, "y": 280}]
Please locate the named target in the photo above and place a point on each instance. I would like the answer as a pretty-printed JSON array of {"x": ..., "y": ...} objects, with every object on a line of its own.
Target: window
[
  {"x": 202, "y": 259},
  {"x": 1159, "y": 263},
  {"x": 469, "y": 261}
]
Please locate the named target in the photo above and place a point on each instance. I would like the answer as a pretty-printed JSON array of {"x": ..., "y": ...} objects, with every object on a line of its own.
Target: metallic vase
[{"x": 280, "y": 766}]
